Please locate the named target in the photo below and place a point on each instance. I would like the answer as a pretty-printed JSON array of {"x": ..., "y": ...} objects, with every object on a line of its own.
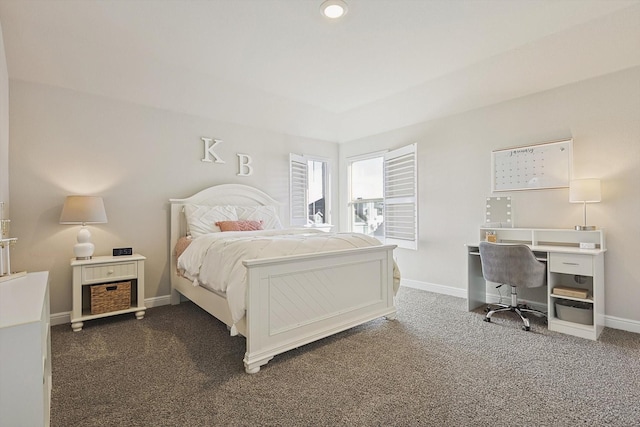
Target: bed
[{"x": 289, "y": 300}]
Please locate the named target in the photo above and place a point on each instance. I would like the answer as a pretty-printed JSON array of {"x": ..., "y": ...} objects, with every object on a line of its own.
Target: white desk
[{"x": 567, "y": 265}]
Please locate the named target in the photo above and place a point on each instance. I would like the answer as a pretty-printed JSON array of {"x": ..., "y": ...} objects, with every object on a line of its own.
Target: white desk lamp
[
  {"x": 83, "y": 210},
  {"x": 585, "y": 191}
]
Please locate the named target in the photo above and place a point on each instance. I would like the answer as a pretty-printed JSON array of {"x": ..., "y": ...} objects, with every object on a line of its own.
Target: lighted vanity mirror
[{"x": 498, "y": 213}]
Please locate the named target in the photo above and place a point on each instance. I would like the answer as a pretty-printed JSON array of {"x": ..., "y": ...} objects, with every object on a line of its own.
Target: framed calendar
[{"x": 532, "y": 167}]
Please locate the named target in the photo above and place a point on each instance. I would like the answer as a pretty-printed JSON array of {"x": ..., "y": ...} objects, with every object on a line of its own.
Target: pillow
[
  {"x": 181, "y": 245},
  {"x": 267, "y": 214},
  {"x": 239, "y": 225},
  {"x": 202, "y": 219}
]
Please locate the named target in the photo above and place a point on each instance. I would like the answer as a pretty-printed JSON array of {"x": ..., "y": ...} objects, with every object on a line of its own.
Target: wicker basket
[{"x": 110, "y": 297}]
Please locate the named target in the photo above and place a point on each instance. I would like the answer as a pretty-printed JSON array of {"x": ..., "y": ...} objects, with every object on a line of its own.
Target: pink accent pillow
[{"x": 239, "y": 225}]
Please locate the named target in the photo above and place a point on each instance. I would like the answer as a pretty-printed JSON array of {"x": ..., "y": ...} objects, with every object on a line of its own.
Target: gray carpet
[{"x": 436, "y": 365}]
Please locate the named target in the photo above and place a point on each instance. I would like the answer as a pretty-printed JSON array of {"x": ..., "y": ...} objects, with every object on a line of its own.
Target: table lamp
[
  {"x": 585, "y": 191},
  {"x": 83, "y": 210}
]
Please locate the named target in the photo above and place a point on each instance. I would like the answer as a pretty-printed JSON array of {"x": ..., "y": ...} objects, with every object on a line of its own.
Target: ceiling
[{"x": 280, "y": 65}]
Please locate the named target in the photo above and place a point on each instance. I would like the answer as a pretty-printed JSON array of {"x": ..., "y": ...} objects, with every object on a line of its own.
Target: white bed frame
[{"x": 292, "y": 300}]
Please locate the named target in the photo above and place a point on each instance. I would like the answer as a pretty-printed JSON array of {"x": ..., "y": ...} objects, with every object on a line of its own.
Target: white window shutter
[
  {"x": 401, "y": 197},
  {"x": 298, "y": 189}
]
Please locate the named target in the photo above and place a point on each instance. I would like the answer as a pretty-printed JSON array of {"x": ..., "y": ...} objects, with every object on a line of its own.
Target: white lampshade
[
  {"x": 585, "y": 191},
  {"x": 83, "y": 210}
]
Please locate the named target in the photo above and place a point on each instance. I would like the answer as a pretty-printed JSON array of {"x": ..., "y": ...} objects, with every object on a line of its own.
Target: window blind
[
  {"x": 401, "y": 197},
  {"x": 298, "y": 189}
]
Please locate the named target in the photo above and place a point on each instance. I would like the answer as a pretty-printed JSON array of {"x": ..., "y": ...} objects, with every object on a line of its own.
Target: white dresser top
[{"x": 21, "y": 299}]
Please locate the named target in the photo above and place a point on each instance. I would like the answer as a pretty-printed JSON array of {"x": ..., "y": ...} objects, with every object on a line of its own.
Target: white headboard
[{"x": 218, "y": 195}]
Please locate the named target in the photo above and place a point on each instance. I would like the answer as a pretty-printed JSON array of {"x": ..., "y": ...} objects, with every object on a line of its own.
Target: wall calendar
[{"x": 532, "y": 167}]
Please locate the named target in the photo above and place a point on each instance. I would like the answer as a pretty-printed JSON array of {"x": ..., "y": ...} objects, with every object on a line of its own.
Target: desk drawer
[
  {"x": 571, "y": 264},
  {"x": 109, "y": 272}
]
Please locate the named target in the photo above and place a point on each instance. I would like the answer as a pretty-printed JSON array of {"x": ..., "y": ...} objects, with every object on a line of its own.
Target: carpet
[{"x": 435, "y": 365}]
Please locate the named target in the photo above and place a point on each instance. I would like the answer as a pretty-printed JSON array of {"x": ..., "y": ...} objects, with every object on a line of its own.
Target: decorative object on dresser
[
  {"x": 25, "y": 351},
  {"x": 5, "y": 249},
  {"x": 83, "y": 210},
  {"x": 107, "y": 286},
  {"x": 585, "y": 191}
]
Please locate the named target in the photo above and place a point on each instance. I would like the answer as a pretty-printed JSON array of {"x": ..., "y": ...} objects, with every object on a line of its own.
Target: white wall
[
  {"x": 4, "y": 128},
  {"x": 136, "y": 158},
  {"x": 64, "y": 142},
  {"x": 602, "y": 115}
]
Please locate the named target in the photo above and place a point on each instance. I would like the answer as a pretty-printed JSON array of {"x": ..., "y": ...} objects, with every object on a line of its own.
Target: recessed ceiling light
[{"x": 333, "y": 9}]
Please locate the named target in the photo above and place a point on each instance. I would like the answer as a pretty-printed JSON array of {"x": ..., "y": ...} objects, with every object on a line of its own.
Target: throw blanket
[{"x": 215, "y": 260}]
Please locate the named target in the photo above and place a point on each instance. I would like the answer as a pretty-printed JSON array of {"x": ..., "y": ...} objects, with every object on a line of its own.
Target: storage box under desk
[{"x": 576, "y": 312}]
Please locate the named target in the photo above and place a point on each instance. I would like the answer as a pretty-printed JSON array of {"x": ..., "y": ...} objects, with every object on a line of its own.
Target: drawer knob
[{"x": 110, "y": 272}]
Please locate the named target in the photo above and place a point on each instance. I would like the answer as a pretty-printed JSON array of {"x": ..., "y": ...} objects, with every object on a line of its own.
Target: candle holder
[{"x": 5, "y": 248}]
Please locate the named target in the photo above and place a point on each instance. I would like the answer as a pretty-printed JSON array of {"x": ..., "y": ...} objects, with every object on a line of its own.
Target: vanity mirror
[{"x": 498, "y": 212}]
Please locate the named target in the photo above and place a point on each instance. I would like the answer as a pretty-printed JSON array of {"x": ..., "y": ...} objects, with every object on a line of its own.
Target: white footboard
[{"x": 295, "y": 300}]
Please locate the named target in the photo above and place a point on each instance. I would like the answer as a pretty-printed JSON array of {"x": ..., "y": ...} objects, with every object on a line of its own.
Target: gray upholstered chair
[{"x": 513, "y": 265}]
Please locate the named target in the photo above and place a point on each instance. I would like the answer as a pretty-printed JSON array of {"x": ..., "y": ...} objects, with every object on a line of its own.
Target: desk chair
[{"x": 514, "y": 265}]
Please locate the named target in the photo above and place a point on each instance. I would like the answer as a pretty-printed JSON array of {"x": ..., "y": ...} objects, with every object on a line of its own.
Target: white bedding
[{"x": 215, "y": 260}]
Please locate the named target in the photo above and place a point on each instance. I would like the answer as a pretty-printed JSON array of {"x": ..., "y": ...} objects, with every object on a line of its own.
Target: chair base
[{"x": 519, "y": 309}]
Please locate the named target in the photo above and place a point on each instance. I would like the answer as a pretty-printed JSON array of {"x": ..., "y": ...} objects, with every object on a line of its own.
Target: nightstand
[{"x": 103, "y": 270}]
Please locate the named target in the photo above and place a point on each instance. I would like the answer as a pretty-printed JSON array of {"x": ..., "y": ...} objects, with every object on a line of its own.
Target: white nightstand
[{"x": 101, "y": 270}]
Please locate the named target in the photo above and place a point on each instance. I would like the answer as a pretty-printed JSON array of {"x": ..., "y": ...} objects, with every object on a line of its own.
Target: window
[
  {"x": 366, "y": 194},
  {"x": 383, "y": 196},
  {"x": 309, "y": 190}
]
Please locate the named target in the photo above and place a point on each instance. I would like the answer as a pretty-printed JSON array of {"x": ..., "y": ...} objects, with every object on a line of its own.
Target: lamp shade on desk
[
  {"x": 585, "y": 191},
  {"x": 83, "y": 210}
]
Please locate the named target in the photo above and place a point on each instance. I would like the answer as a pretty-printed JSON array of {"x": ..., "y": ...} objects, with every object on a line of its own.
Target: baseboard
[
  {"x": 622, "y": 324},
  {"x": 65, "y": 317},
  {"x": 609, "y": 321},
  {"x": 431, "y": 287},
  {"x": 60, "y": 318},
  {"x": 157, "y": 301}
]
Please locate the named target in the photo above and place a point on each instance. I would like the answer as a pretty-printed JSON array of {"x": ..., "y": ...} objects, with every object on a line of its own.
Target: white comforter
[{"x": 215, "y": 260}]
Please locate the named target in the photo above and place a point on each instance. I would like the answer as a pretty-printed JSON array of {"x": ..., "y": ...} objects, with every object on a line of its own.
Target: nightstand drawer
[
  {"x": 109, "y": 272},
  {"x": 571, "y": 264}
]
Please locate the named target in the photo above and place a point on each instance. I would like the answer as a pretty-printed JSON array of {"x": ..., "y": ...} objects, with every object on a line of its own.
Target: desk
[{"x": 567, "y": 265}]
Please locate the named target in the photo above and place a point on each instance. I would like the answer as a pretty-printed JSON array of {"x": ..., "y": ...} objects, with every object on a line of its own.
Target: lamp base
[
  {"x": 84, "y": 248},
  {"x": 585, "y": 227}
]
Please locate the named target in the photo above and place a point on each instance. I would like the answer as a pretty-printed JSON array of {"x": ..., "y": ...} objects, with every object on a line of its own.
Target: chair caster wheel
[
  {"x": 487, "y": 319},
  {"x": 526, "y": 328},
  {"x": 487, "y": 309}
]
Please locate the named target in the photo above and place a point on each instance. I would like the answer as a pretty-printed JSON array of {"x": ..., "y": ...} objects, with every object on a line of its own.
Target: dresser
[{"x": 25, "y": 351}]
